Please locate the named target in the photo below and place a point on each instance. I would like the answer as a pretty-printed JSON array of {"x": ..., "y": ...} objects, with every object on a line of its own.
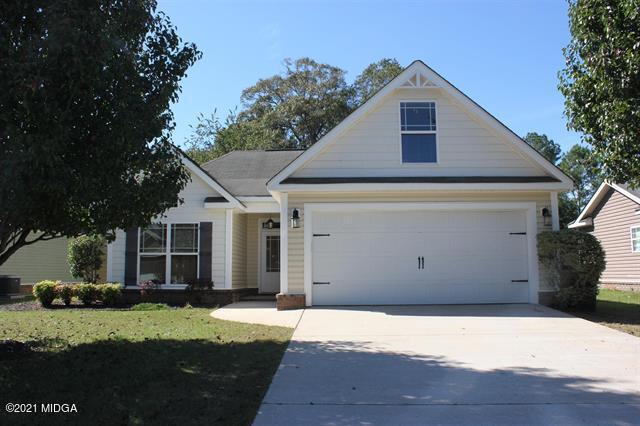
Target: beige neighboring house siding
[
  {"x": 239, "y": 253},
  {"x": 45, "y": 260},
  {"x": 297, "y": 200},
  {"x": 612, "y": 223},
  {"x": 253, "y": 246},
  {"x": 372, "y": 146}
]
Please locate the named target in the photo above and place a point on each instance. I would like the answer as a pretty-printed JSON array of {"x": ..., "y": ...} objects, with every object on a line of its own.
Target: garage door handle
[
  {"x": 420, "y": 262},
  {"x": 321, "y": 283}
]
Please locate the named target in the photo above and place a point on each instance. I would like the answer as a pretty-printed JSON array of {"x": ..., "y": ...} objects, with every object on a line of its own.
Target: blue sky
[{"x": 504, "y": 54}]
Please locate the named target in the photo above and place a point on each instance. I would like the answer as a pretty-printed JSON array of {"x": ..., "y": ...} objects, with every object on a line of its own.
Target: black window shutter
[
  {"x": 131, "y": 257},
  {"x": 206, "y": 229}
]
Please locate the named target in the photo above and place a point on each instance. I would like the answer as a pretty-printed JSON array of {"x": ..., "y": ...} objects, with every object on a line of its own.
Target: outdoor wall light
[
  {"x": 270, "y": 224},
  {"x": 546, "y": 216},
  {"x": 295, "y": 218}
]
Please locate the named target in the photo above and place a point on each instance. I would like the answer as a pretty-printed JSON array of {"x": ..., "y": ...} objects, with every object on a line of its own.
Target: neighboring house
[
  {"x": 44, "y": 260},
  {"x": 419, "y": 196},
  {"x": 613, "y": 216}
]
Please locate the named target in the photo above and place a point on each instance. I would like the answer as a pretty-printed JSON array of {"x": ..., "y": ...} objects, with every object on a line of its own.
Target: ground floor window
[{"x": 169, "y": 250}]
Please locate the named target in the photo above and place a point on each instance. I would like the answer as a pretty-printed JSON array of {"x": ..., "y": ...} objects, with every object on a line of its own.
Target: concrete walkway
[
  {"x": 258, "y": 312},
  {"x": 500, "y": 364}
]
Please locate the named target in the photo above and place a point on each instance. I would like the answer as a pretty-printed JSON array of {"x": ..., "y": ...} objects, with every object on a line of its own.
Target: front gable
[
  {"x": 470, "y": 143},
  {"x": 464, "y": 146}
]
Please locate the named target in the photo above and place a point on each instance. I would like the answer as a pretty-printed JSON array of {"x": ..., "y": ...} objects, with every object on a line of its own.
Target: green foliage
[
  {"x": 302, "y": 104},
  {"x": 45, "y": 292},
  {"x": 87, "y": 293},
  {"x": 211, "y": 138},
  {"x": 545, "y": 146},
  {"x": 109, "y": 293},
  {"x": 584, "y": 168},
  {"x": 85, "y": 255},
  {"x": 150, "y": 307},
  {"x": 373, "y": 78},
  {"x": 574, "y": 261},
  {"x": 65, "y": 292},
  {"x": 85, "y": 124},
  {"x": 601, "y": 82}
]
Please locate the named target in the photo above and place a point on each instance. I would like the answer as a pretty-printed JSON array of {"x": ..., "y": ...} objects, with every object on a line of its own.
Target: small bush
[
  {"x": 575, "y": 261},
  {"x": 87, "y": 293},
  {"x": 45, "y": 292},
  {"x": 85, "y": 256},
  {"x": 150, "y": 307},
  {"x": 109, "y": 293},
  {"x": 65, "y": 292}
]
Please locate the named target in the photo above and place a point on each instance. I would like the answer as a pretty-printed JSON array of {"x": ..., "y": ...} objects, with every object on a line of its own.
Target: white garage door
[{"x": 419, "y": 257}]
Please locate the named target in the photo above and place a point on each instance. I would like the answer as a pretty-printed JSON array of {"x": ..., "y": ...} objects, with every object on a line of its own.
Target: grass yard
[
  {"x": 617, "y": 309},
  {"x": 176, "y": 366}
]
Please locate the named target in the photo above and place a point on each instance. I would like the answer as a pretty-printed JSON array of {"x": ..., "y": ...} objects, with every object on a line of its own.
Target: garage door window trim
[{"x": 528, "y": 207}]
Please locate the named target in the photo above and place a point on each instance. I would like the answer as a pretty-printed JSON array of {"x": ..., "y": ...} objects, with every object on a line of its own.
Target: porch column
[
  {"x": 555, "y": 214},
  {"x": 284, "y": 243},
  {"x": 228, "y": 249}
]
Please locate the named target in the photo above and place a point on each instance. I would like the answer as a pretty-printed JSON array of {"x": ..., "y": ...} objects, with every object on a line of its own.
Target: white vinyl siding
[
  {"x": 239, "y": 259},
  {"x": 465, "y": 147},
  {"x": 191, "y": 211},
  {"x": 297, "y": 200}
]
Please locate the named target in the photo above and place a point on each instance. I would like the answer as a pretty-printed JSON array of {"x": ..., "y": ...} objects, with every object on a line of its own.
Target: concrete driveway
[{"x": 490, "y": 364}]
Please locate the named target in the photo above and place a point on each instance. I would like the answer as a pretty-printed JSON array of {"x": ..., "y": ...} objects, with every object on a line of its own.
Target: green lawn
[
  {"x": 177, "y": 366},
  {"x": 617, "y": 309}
]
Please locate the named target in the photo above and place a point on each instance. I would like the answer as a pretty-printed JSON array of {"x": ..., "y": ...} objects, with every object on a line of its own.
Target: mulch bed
[{"x": 32, "y": 305}]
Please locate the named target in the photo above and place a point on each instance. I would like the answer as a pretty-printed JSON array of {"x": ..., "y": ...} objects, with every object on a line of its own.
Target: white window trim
[
  {"x": 167, "y": 254},
  {"x": 634, "y": 239},
  {"x": 418, "y": 132}
]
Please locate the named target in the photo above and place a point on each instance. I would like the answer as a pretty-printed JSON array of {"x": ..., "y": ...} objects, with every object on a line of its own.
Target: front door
[{"x": 270, "y": 261}]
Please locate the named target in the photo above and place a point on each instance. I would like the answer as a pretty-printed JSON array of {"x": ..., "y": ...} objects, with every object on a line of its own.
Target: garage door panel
[{"x": 372, "y": 257}]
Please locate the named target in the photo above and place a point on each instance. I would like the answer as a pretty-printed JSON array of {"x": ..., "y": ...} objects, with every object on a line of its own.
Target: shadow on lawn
[
  {"x": 359, "y": 382},
  {"x": 148, "y": 382}
]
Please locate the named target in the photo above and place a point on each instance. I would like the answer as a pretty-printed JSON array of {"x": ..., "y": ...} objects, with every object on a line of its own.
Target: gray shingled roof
[{"x": 246, "y": 173}]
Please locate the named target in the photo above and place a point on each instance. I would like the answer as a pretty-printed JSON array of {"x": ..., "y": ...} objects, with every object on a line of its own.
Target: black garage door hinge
[
  {"x": 517, "y": 233},
  {"x": 321, "y": 283},
  {"x": 519, "y": 281},
  {"x": 321, "y": 235}
]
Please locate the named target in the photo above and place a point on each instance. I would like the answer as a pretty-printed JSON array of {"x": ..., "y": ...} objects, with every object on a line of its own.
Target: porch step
[{"x": 259, "y": 298}]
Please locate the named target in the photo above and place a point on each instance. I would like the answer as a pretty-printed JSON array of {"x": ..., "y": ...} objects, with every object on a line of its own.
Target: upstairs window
[{"x": 418, "y": 132}]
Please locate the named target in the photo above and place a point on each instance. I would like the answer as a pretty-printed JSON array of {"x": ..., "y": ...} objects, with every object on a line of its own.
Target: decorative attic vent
[{"x": 418, "y": 81}]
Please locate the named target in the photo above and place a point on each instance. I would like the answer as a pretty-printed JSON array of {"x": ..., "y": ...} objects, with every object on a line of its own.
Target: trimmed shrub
[
  {"x": 109, "y": 293},
  {"x": 87, "y": 293},
  {"x": 65, "y": 292},
  {"x": 85, "y": 256},
  {"x": 150, "y": 307},
  {"x": 575, "y": 261},
  {"x": 45, "y": 292}
]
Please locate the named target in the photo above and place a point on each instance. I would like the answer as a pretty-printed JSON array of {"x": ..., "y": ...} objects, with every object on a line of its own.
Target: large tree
[
  {"x": 601, "y": 82},
  {"x": 85, "y": 125},
  {"x": 373, "y": 78},
  {"x": 545, "y": 146},
  {"x": 303, "y": 103}
]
